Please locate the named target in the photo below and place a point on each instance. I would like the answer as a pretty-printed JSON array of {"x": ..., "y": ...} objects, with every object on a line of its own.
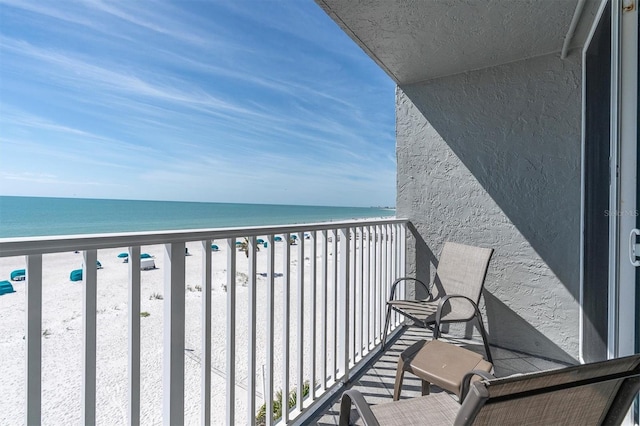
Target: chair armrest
[
  {"x": 355, "y": 397},
  {"x": 445, "y": 299},
  {"x": 399, "y": 280},
  {"x": 466, "y": 381}
]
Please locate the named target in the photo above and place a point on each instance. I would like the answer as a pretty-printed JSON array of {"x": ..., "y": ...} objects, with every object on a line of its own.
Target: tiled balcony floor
[{"x": 376, "y": 383}]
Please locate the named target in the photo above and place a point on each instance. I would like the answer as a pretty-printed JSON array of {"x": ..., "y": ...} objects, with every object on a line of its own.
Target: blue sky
[{"x": 227, "y": 101}]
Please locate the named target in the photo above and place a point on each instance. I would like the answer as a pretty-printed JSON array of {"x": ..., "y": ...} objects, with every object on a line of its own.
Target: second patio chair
[
  {"x": 453, "y": 295},
  {"x": 590, "y": 394}
]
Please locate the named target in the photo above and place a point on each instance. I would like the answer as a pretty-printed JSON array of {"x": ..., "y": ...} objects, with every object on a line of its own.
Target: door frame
[
  {"x": 627, "y": 136},
  {"x": 623, "y": 205},
  {"x": 583, "y": 176}
]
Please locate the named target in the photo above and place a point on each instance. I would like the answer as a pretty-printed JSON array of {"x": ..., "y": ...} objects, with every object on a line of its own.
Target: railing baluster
[
  {"x": 33, "y": 339},
  {"x": 398, "y": 273},
  {"x": 89, "y": 312},
  {"x": 374, "y": 287},
  {"x": 381, "y": 271},
  {"x": 380, "y": 280},
  {"x": 174, "y": 323},
  {"x": 206, "y": 332},
  {"x": 380, "y": 274},
  {"x": 365, "y": 291},
  {"x": 134, "y": 335},
  {"x": 343, "y": 291},
  {"x": 376, "y": 274},
  {"x": 394, "y": 258},
  {"x": 312, "y": 276},
  {"x": 285, "y": 322},
  {"x": 388, "y": 279},
  {"x": 325, "y": 284},
  {"x": 361, "y": 286},
  {"x": 403, "y": 253},
  {"x": 268, "y": 398},
  {"x": 371, "y": 287},
  {"x": 394, "y": 267},
  {"x": 384, "y": 267},
  {"x": 394, "y": 241},
  {"x": 251, "y": 373},
  {"x": 334, "y": 273},
  {"x": 300, "y": 399},
  {"x": 231, "y": 331},
  {"x": 352, "y": 293}
]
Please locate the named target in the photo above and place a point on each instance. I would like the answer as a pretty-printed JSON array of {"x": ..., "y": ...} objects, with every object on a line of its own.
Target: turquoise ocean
[{"x": 43, "y": 216}]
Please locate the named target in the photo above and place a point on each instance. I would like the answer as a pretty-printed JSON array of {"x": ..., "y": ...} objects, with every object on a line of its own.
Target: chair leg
[
  {"x": 436, "y": 331},
  {"x": 483, "y": 333},
  {"x": 397, "y": 388},
  {"x": 386, "y": 327},
  {"x": 426, "y": 387}
]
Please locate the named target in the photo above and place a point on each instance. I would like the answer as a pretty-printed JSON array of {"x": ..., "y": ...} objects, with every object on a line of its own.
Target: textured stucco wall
[{"x": 492, "y": 158}]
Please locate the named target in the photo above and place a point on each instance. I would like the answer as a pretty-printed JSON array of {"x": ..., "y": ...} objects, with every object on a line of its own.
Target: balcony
[{"x": 204, "y": 336}]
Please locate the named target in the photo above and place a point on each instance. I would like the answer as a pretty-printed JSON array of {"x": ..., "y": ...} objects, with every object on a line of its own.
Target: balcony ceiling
[{"x": 418, "y": 40}]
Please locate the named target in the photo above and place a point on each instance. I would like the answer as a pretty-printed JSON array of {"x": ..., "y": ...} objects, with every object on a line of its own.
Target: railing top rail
[{"x": 21, "y": 246}]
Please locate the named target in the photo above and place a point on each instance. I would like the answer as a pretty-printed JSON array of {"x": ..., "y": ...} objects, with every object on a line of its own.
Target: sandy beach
[{"x": 62, "y": 335}]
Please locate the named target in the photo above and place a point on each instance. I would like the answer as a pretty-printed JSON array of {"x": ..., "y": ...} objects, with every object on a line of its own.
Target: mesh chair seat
[
  {"x": 441, "y": 408},
  {"x": 425, "y": 311}
]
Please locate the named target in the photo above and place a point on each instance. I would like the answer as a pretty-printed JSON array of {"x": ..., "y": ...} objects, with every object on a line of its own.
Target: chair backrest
[
  {"x": 589, "y": 394},
  {"x": 462, "y": 270}
]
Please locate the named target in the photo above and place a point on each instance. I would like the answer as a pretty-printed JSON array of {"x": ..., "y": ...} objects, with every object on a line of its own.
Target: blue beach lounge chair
[
  {"x": 18, "y": 275},
  {"x": 6, "y": 287},
  {"x": 76, "y": 275}
]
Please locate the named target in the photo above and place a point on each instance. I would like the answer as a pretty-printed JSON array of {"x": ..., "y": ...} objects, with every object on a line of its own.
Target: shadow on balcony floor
[{"x": 376, "y": 382}]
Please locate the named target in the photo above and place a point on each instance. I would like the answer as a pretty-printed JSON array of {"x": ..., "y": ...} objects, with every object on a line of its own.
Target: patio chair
[
  {"x": 454, "y": 293},
  {"x": 591, "y": 394}
]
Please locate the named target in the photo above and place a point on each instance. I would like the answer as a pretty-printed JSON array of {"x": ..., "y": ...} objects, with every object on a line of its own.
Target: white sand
[{"x": 62, "y": 341}]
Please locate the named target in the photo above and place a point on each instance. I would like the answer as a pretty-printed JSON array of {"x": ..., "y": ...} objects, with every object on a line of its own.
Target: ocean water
[{"x": 43, "y": 216}]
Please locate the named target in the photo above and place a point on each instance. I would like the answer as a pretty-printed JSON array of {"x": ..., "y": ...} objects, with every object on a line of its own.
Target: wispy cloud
[
  {"x": 50, "y": 10},
  {"x": 84, "y": 74},
  {"x": 47, "y": 179},
  {"x": 158, "y": 23},
  {"x": 224, "y": 98}
]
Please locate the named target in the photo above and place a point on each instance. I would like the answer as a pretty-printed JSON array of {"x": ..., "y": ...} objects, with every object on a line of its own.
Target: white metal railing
[{"x": 335, "y": 302}]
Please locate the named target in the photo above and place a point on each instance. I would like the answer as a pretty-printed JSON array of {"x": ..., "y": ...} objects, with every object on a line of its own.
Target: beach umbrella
[
  {"x": 123, "y": 255},
  {"x": 277, "y": 238},
  {"x": 145, "y": 256},
  {"x": 98, "y": 264},
  {"x": 264, "y": 245},
  {"x": 260, "y": 241},
  {"x": 214, "y": 247},
  {"x": 294, "y": 236}
]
